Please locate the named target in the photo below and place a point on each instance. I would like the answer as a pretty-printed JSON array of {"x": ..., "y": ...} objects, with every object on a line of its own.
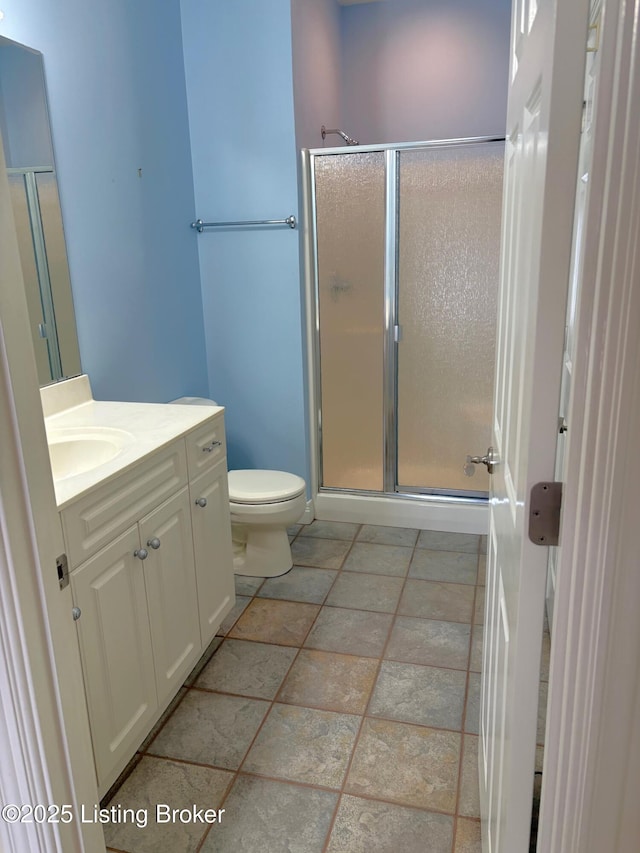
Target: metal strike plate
[
  {"x": 62, "y": 565},
  {"x": 544, "y": 513}
]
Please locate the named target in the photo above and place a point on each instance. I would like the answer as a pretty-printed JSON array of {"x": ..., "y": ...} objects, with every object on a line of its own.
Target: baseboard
[
  {"x": 448, "y": 516},
  {"x": 308, "y": 515}
]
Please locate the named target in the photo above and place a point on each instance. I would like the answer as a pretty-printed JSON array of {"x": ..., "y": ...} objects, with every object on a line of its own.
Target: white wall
[
  {"x": 316, "y": 48},
  {"x": 425, "y": 69}
]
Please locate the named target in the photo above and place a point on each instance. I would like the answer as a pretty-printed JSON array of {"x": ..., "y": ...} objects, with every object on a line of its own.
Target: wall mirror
[{"x": 26, "y": 135}]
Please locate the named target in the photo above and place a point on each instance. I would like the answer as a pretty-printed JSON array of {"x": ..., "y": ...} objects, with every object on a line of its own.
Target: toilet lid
[{"x": 263, "y": 487}]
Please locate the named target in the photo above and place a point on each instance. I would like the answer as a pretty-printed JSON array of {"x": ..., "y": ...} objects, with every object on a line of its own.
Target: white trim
[
  {"x": 21, "y": 781},
  {"x": 452, "y": 516},
  {"x": 592, "y": 752},
  {"x": 44, "y": 732},
  {"x": 308, "y": 515}
]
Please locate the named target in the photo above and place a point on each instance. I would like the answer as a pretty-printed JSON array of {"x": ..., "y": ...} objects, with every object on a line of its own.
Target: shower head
[{"x": 348, "y": 139}]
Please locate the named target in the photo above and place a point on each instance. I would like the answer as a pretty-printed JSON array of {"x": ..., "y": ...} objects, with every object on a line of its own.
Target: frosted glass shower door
[
  {"x": 450, "y": 203},
  {"x": 350, "y": 211}
]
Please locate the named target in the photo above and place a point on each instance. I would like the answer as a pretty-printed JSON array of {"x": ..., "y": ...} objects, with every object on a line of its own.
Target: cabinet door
[
  {"x": 213, "y": 549},
  {"x": 117, "y": 661},
  {"x": 169, "y": 573}
]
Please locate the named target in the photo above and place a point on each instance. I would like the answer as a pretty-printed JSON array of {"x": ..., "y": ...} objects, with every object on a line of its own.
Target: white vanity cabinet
[
  {"x": 213, "y": 549},
  {"x": 152, "y": 573},
  {"x": 172, "y": 597},
  {"x": 117, "y": 655}
]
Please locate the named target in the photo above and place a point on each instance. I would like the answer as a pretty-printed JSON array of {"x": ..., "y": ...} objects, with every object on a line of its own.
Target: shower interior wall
[{"x": 400, "y": 72}]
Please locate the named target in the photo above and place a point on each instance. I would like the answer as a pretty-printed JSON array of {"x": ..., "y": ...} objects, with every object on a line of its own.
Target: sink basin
[{"x": 76, "y": 450}]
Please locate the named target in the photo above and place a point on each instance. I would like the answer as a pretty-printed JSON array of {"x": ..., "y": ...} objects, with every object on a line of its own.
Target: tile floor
[{"x": 339, "y": 710}]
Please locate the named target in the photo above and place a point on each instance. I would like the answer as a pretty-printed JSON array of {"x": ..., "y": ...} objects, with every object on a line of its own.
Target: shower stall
[{"x": 402, "y": 261}]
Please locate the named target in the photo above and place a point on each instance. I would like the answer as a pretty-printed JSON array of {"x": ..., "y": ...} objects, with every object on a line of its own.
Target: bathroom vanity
[{"x": 148, "y": 542}]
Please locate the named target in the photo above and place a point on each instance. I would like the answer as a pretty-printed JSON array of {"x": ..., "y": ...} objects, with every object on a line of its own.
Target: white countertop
[{"x": 151, "y": 425}]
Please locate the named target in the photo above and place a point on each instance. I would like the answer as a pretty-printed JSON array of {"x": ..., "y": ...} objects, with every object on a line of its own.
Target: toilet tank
[{"x": 195, "y": 401}]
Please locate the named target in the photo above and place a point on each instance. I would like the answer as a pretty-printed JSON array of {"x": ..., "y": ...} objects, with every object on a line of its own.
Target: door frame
[
  {"x": 44, "y": 727},
  {"x": 592, "y": 746}
]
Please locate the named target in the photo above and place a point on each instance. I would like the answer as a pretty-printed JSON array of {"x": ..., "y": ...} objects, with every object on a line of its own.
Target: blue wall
[
  {"x": 240, "y": 96},
  {"x": 115, "y": 79}
]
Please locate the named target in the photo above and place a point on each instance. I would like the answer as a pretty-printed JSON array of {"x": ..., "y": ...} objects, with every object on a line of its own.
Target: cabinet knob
[
  {"x": 141, "y": 553},
  {"x": 201, "y": 502},
  {"x": 154, "y": 543},
  {"x": 76, "y": 613},
  {"x": 209, "y": 448}
]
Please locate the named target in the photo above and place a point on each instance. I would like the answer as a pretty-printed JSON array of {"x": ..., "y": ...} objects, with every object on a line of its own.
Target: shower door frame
[{"x": 447, "y": 506}]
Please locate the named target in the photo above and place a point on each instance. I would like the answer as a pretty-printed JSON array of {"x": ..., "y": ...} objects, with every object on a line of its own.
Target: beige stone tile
[
  {"x": 211, "y": 649},
  {"x": 266, "y": 816},
  {"x": 300, "y": 584},
  {"x": 177, "y": 785},
  {"x": 366, "y": 592},
  {"x": 230, "y": 619},
  {"x": 545, "y": 656},
  {"x": 468, "y": 836},
  {"x": 379, "y": 559},
  {"x": 472, "y": 712},
  {"x": 368, "y": 826},
  {"x": 379, "y": 535},
  {"x": 269, "y": 621},
  {"x": 482, "y": 570},
  {"x": 469, "y": 803},
  {"x": 426, "y": 695},
  {"x": 438, "y": 540},
  {"x": 345, "y": 530},
  {"x": 477, "y": 638},
  {"x": 177, "y": 699},
  {"x": 478, "y": 616},
  {"x": 543, "y": 694},
  {"x": 321, "y": 553},
  {"x": 423, "y": 772},
  {"x": 247, "y": 668},
  {"x": 450, "y": 602},
  {"x": 304, "y": 745},
  {"x": 247, "y": 586},
  {"x": 429, "y": 641},
  {"x": 447, "y": 566},
  {"x": 352, "y": 632},
  {"x": 331, "y": 681},
  {"x": 211, "y": 728}
]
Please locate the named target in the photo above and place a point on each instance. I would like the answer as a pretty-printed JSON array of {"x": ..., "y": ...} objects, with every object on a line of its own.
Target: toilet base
[{"x": 260, "y": 552}]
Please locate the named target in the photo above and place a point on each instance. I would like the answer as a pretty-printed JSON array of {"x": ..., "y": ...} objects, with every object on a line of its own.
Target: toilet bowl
[{"x": 263, "y": 504}]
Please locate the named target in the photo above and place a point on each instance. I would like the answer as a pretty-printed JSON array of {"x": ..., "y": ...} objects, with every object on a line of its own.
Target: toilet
[{"x": 262, "y": 504}]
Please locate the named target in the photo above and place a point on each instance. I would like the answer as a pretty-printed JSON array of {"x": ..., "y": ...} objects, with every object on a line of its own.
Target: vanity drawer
[
  {"x": 206, "y": 445},
  {"x": 108, "y": 510}
]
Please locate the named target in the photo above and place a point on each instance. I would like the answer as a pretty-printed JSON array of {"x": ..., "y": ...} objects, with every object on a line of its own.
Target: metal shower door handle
[{"x": 489, "y": 460}]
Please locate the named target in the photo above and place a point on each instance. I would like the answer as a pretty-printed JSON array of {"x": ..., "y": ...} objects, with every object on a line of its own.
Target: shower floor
[{"x": 337, "y": 711}]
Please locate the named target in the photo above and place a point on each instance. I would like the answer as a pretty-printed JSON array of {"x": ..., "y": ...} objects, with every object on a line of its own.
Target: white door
[
  {"x": 592, "y": 68},
  {"x": 541, "y": 155},
  {"x": 170, "y": 580}
]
